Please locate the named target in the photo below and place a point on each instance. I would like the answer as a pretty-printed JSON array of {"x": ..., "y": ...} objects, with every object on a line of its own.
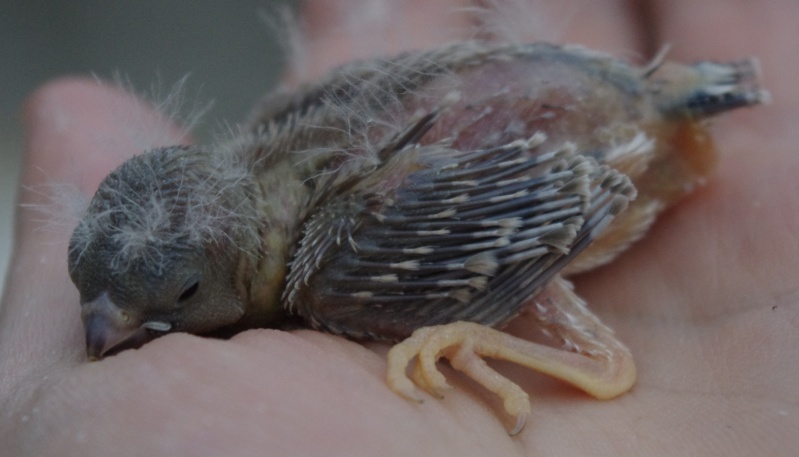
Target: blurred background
[{"x": 227, "y": 49}]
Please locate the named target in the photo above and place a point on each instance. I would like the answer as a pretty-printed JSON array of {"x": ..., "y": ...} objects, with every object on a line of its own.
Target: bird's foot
[
  {"x": 463, "y": 343},
  {"x": 603, "y": 367}
]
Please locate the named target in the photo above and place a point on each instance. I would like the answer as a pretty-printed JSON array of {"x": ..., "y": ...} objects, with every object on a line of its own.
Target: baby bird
[{"x": 430, "y": 197}]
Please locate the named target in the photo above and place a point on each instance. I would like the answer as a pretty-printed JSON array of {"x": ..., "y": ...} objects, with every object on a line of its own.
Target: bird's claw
[{"x": 463, "y": 343}]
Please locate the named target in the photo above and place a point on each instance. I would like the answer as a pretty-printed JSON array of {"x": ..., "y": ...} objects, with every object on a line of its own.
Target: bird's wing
[{"x": 438, "y": 235}]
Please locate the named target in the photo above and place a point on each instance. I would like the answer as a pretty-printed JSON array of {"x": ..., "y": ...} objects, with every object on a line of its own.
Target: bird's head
[{"x": 162, "y": 248}]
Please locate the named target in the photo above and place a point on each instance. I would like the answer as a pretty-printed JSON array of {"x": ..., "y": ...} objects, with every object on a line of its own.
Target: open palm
[{"x": 708, "y": 303}]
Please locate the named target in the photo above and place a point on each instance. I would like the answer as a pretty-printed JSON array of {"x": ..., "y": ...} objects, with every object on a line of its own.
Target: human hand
[{"x": 708, "y": 303}]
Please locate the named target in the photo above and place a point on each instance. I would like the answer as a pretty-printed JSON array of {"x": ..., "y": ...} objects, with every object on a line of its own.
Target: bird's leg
[
  {"x": 592, "y": 359},
  {"x": 602, "y": 365}
]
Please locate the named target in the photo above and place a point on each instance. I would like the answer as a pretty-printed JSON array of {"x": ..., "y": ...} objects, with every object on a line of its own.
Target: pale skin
[{"x": 708, "y": 304}]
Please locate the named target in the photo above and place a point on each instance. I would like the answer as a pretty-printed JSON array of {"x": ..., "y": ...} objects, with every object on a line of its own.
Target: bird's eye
[{"x": 189, "y": 291}]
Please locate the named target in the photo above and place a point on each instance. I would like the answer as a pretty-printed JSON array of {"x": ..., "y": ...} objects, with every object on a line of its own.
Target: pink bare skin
[{"x": 708, "y": 303}]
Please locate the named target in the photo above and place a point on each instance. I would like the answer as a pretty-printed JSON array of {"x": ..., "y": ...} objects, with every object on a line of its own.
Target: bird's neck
[{"x": 281, "y": 202}]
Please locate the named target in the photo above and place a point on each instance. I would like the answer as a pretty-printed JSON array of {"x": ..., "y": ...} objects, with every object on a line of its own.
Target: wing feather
[{"x": 437, "y": 235}]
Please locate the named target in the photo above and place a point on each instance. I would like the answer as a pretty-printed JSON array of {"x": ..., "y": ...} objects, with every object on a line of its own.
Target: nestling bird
[{"x": 430, "y": 197}]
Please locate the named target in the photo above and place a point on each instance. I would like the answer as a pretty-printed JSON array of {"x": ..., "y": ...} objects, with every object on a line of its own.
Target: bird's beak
[{"x": 110, "y": 329}]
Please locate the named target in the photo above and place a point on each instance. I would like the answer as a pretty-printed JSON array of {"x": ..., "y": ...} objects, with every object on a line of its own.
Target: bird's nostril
[{"x": 109, "y": 329}]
